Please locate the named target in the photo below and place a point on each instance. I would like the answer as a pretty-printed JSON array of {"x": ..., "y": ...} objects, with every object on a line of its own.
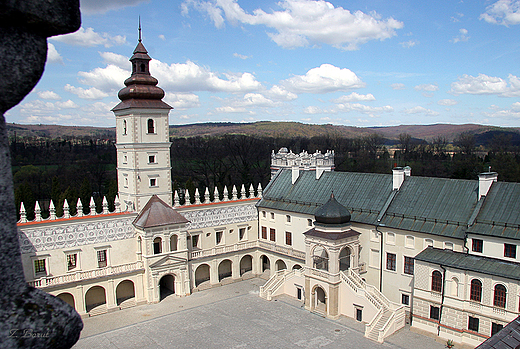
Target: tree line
[{"x": 72, "y": 169}]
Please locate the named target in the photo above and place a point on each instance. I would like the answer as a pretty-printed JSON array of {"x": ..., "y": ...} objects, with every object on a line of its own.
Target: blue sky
[{"x": 360, "y": 63}]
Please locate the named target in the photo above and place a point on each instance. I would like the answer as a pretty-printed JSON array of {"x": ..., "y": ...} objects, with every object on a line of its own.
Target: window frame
[
  {"x": 434, "y": 312},
  {"x": 264, "y": 233},
  {"x": 218, "y": 237},
  {"x": 288, "y": 238},
  {"x": 475, "y": 290},
  {"x": 102, "y": 252},
  {"x": 509, "y": 250},
  {"x": 500, "y": 296},
  {"x": 436, "y": 281},
  {"x": 473, "y": 323},
  {"x": 477, "y": 245},
  {"x": 391, "y": 261},
  {"x": 404, "y": 297},
  {"x": 272, "y": 234},
  {"x": 409, "y": 265},
  {"x": 150, "y": 126}
]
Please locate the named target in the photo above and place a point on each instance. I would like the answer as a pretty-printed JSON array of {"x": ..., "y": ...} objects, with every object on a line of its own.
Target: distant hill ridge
[{"x": 273, "y": 129}]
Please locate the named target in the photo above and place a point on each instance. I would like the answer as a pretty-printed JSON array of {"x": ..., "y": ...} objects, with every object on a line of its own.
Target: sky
[{"x": 355, "y": 63}]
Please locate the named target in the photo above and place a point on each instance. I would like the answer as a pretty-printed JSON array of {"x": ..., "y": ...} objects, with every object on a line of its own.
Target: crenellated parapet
[
  {"x": 207, "y": 198},
  {"x": 66, "y": 210},
  {"x": 304, "y": 161}
]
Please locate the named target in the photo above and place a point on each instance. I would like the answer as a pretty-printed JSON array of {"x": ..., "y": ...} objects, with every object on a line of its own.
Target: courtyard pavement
[{"x": 232, "y": 316}]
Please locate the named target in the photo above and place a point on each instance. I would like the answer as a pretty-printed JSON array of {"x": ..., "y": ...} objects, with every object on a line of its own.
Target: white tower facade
[{"x": 142, "y": 137}]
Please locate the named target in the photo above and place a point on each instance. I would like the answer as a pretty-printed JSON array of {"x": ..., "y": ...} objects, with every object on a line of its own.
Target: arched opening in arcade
[
  {"x": 201, "y": 274},
  {"x": 296, "y": 267},
  {"x": 67, "y": 298},
  {"x": 95, "y": 298},
  {"x": 266, "y": 265},
  {"x": 320, "y": 300},
  {"x": 280, "y": 265},
  {"x": 125, "y": 292},
  {"x": 246, "y": 265},
  {"x": 224, "y": 269},
  {"x": 166, "y": 286}
]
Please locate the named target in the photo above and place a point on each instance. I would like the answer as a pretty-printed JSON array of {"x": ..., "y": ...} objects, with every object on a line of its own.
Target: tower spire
[{"x": 139, "y": 28}]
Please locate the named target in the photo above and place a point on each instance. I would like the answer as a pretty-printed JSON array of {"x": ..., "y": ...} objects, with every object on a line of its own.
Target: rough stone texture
[{"x": 28, "y": 317}]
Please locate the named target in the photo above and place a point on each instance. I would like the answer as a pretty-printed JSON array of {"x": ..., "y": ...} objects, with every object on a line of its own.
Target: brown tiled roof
[
  {"x": 157, "y": 213},
  {"x": 332, "y": 236}
]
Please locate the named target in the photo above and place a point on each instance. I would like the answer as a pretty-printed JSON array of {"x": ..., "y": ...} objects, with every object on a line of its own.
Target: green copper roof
[
  {"x": 463, "y": 261},
  {"x": 500, "y": 212}
]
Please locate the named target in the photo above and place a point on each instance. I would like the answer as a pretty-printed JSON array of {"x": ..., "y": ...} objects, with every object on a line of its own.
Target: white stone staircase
[
  {"x": 390, "y": 316},
  {"x": 275, "y": 282}
]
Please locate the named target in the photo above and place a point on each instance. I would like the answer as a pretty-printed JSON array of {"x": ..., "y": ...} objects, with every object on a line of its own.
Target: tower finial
[{"x": 139, "y": 28}]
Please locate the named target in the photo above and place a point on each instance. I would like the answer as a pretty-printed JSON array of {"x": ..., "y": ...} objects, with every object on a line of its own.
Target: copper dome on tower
[
  {"x": 141, "y": 89},
  {"x": 332, "y": 212}
]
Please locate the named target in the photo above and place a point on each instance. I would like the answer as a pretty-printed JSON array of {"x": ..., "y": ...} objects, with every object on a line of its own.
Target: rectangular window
[
  {"x": 473, "y": 324},
  {"x": 72, "y": 260},
  {"x": 434, "y": 312},
  {"x": 288, "y": 238},
  {"x": 495, "y": 328},
  {"x": 264, "y": 233},
  {"x": 272, "y": 215},
  {"x": 151, "y": 159},
  {"x": 509, "y": 250},
  {"x": 241, "y": 233},
  {"x": 476, "y": 245},
  {"x": 390, "y": 261},
  {"x": 153, "y": 182},
  {"x": 359, "y": 314},
  {"x": 102, "y": 258},
  {"x": 218, "y": 236},
  {"x": 272, "y": 234},
  {"x": 408, "y": 265},
  {"x": 39, "y": 266},
  {"x": 264, "y": 214},
  {"x": 288, "y": 219},
  {"x": 309, "y": 222},
  {"x": 194, "y": 240},
  {"x": 405, "y": 299}
]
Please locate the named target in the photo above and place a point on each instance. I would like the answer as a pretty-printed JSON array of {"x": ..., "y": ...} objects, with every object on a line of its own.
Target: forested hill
[{"x": 273, "y": 129}]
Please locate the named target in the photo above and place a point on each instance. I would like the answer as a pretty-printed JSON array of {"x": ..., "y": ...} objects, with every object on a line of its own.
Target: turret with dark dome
[{"x": 332, "y": 212}]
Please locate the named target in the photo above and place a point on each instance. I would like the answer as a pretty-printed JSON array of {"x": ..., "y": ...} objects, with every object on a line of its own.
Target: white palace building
[{"x": 380, "y": 248}]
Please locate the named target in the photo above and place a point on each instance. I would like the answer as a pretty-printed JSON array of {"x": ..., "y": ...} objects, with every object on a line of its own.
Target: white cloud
[
  {"x": 50, "y": 95},
  {"x": 447, "y": 102},
  {"x": 89, "y": 7},
  {"x": 188, "y": 77},
  {"x": 323, "y": 79},
  {"x": 313, "y": 110},
  {"x": 408, "y": 44},
  {"x": 241, "y": 56},
  {"x": 463, "y": 36},
  {"x": 504, "y": 12},
  {"x": 108, "y": 79},
  {"x": 88, "y": 38},
  {"x": 354, "y": 97},
  {"x": 229, "y": 109},
  {"x": 67, "y": 105},
  {"x": 182, "y": 101},
  {"x": 509, "y": 113},
  {"x": 365, "y": 109},
  {"x": 426, "y": 87},
  {"x": 421, "y": 110},
  {"x": 52, "y": 54},
  {"x": 304, "y": 22},
  {"x": 90, "y": 93},
  {"x": 116, "y": 59},
  {"x": 280, "y": 93},
  {"x": 162, "y": 37},
  {"x": 486, "y": 85},
  {"x": 398, "y": 86}
]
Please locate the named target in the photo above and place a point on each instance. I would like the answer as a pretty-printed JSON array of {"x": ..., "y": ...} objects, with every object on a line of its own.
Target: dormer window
[
  {"x": 151, "y": 126},
  {"x": 143, "y": 68}
]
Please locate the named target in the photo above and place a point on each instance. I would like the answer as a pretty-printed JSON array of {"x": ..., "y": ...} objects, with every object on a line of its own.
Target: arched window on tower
[
  {"x": 436, "y": 281},
  {"x": 124, "y": 127},
  {"x": 151, "y": 126},
  {"x": 143, "y": 68},
  {"x": 157, "y": 245},
  {"x": 344, "y": 259},
  {"x": 320, "y": 258}
]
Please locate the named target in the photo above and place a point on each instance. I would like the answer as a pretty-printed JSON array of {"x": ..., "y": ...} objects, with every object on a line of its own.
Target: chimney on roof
[
  {"x": 485, "y": 180},
  {"x": 407, "y": 171},
  {"x": 398, "y": 174},
  {"x": 295, "y": 173}
]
